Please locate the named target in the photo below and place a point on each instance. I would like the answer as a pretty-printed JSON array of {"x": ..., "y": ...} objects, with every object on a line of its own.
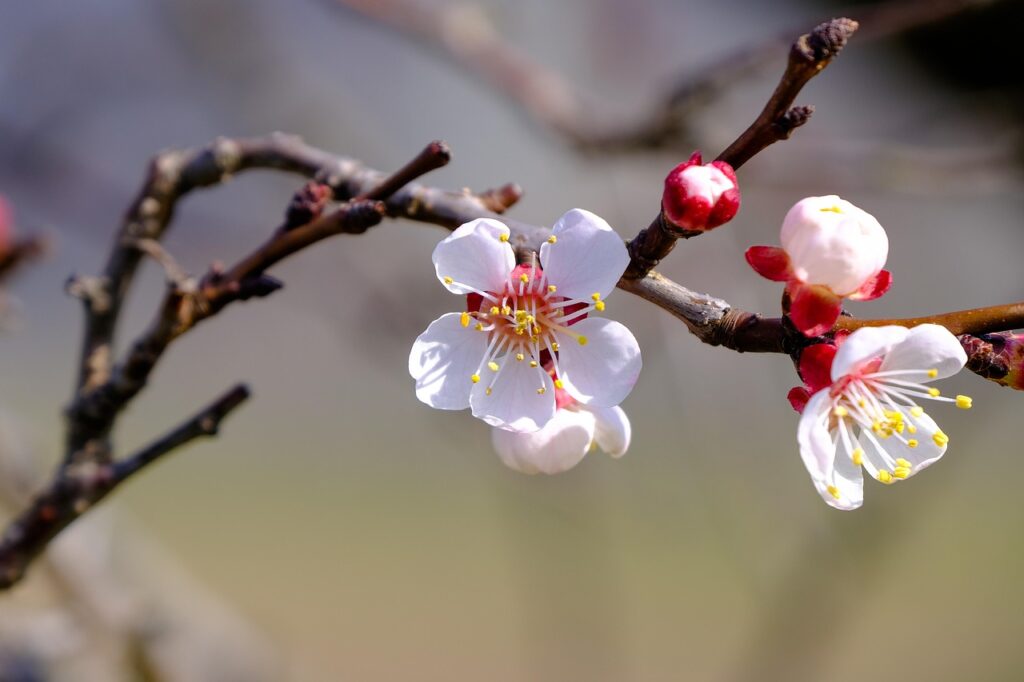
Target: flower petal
[
  {"x": 817, "y": 450},
  {"x": 874, "y": 287},
  {"x": 865, "y": 344},
  {"x": 442, "y": 360},
  {"x": 557, "y": 447},
  {"x": 514, "y": 402},
  {"x": 474, "y": 258},
  {"x": 771, "y": 262},
  {"x": 927, "y": 346},
  {"x": 814, "y": 309},
  {"x": 587, "y": 257},
  {"x": 847, "y": 486},
  {"x": 613, "y": 429},
  {"x": 798, "y": 397},
  {"x": 816, "y": 365},
  {"x": 603, "y": 370}
]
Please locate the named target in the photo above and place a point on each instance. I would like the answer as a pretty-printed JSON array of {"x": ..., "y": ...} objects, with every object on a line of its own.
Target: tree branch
[
  {"x": 808, "y": 56},
  {"x": 79, "y": 487}
]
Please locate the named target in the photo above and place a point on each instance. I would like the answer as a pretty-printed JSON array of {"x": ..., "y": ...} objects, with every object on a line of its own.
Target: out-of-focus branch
[
  {"x": 80, "y": 486},
  {"x": 463, "y": 32},
  {"x": 808, "y": 56}
]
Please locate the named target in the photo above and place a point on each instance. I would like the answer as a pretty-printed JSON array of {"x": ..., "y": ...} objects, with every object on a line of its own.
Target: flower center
[{"x": 523, "y": 323}]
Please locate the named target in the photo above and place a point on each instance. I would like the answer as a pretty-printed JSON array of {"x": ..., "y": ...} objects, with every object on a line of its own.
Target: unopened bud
[
  {"x": 700, "y": 196},
  {"x": 998, "y": 357}
]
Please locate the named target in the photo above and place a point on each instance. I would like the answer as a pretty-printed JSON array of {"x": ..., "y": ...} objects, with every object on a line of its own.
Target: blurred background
[{"x": 338, "y": 528}]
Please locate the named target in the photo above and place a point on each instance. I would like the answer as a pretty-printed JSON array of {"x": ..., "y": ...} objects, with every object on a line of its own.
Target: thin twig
[
  {"x": 80, "y": 487},
  {"x": 808, "y": 56}
]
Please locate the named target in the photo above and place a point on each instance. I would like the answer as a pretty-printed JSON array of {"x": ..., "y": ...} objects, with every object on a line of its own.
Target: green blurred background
[{"x": 371, "y": 538}]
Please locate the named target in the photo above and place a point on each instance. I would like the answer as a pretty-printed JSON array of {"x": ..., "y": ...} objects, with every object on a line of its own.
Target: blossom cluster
[{"x": 528, "y": 355}]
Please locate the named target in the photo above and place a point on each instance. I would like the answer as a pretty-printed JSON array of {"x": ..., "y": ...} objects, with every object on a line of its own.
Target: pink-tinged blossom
[
  {"x": 700, "y": 196},
  {"x": 564, "y": 441},
  {"x": 831, "y": 250},
  {"x": 522, "y": 321},
  {"x": 861, "y": 408}
]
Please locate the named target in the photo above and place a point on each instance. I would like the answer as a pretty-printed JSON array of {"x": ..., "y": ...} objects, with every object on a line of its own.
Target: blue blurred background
[{"x": 369, "y": 537}]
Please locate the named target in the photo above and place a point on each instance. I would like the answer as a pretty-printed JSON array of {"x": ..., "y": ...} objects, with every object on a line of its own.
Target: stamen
[
  {"x": 840, "y": 411},
  {"x": 904, "y": 463},
  {"x": 464, "y": 320},
  {"x": 479, "y": 326},
  {"x": 475, "y": 378},
  {"x": 503, "y": 237},
  {"x": 533, "y": 363},
  {"x": 940, "y": 438},
  {"x": 858, "y": 456},
  {"x": 582, "y": 340},
  {"x": 541, "y": 390},
  {"x": 833, "y": 491},
  {"x": 448, "y": 280},
  {"x": 901, "y": 472},
  {"x": 932, "y": 373},
  {"x": 552, "y": 239},
  {"x": 912, "y": 443},
  {"x": 884, "y": 476},
  {"x": 964, "y": 402},
  {"x": 493, "y": 366},
  {"x": 933, "y": 392},
  {"x": 495, "y": 310},
  {"x": 917, "y": 411},
  {"x": 488, "y": 391},
  {"x": 552, "y": 288},
  {"x": 524, "y": 278},
  {"x": 559, "y": 384},
  {"x": 520, "y": 357}
]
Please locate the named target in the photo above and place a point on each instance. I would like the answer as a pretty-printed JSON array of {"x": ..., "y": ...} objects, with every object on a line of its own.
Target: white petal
[
  {"x": 832, "y": 242},
  {"x": 587, "y": 257},
  {"x": 557, "y": 447},
  {"x": 817, "y": 450},
  {"x": 473, "y": 258},
  {"x": 927, "y": 346},
  {"x": 514, "y": 402},
  {"x": 443, "y": 359},
  {"x": 848, "y": 483},
  {"x": 613, "y": 429},
  {"x": 865, "y": 344},
  {"x": 603, "y": 371}
]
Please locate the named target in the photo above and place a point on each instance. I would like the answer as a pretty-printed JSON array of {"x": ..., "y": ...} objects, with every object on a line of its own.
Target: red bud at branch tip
[{"x": 699, "y": 196}]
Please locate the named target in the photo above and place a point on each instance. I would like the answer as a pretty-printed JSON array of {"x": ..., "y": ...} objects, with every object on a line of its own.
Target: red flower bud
[{"x": 700, "y": 196}]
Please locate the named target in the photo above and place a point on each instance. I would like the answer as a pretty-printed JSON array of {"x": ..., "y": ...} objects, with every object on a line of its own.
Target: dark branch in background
[
  {"x": 81, "y": 486},
  {"x": 808, "y": 57},
  {"x": 463, "y": 33},
  {"x": 23, "y": 251}
]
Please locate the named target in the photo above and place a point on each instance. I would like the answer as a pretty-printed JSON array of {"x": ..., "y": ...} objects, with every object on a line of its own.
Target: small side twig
[{"x": 78, "y": 488}]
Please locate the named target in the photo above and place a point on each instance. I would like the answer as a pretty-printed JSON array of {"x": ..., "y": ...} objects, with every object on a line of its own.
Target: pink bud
[
  {"x": 999, "y": 357},
  {"x": 700, "y": 196}
]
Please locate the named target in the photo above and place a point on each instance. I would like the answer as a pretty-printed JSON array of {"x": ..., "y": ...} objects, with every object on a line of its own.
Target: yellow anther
[
  {"x": 448, "y": 280},
  {"x": 559, "y": 384},
  {"x": 857, "y": 456},
  {"x": 596, "y": 296},
  {"x": 912, "y": 443},
  {"x": 554, "y": 346},
  {"x": 840, "y": 411},
  {"x": 493, "y": 366},
  {"x": 582, "y": 339},
  {"x": 832, "y": 209},
  {"x": 541, "y": 390},
  {"x": 552, "y": 239},
  {"x": 933, "y": 392},
  {"x": 552, "y": 288},
  {"x": 533, "y": 363},
  {"x": 932, "y": 373},
  {"x": 506, "y": 310},
  {"x": 475, "y": 378},
  {"x": 916, "y": 411},
  {"x": 520, "y": 315},
  {"x": 464, "y": 320},
  {"x": 479, "y": 326},
  {"x": 503, "y": 237},
  {"x": 901, "y": 472},
  {"x": 520, "y": 357},
  {"x": 900, "y": 462},
  {"x": 884, "y": 476},
  {"x": 524, "y": 278},
  {"x": 861, "y": 403},
  {"x": 964, "y": 402},
  {"x": 530, "y": 319},
  {"x": 940, "y": 438},
  {"x": 833, "y": 491},
  {"x": 599, "y": 306},
  {"x": 495, "y": 310},
  {"x": 488, "y": 391},
  {"x": 911, "y": 428},
  {"x": 535, "y": 338}
]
